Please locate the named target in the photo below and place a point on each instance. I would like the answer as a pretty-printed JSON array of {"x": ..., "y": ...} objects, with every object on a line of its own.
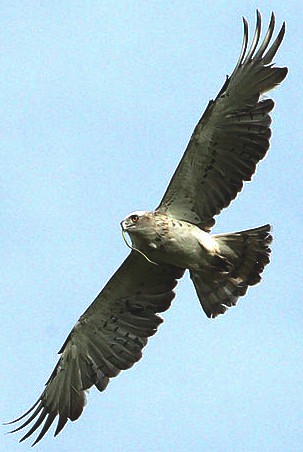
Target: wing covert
[{"x": 231, "y": 137}]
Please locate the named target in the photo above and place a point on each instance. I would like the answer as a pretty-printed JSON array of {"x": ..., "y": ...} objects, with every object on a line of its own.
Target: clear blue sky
[{"x": 98, "y": 101}]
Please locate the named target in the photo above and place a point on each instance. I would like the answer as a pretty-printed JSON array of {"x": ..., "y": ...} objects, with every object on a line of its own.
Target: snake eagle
[{"x": 229, "y": 140}]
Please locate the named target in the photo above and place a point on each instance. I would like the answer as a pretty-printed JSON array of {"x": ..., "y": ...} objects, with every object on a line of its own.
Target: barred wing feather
[
  {"x": 231, "y": 137},
  {"x": 108, "y": 338}
]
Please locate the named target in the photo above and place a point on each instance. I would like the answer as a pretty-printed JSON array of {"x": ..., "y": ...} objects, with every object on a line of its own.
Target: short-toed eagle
[{"x": 231, "y": 137}]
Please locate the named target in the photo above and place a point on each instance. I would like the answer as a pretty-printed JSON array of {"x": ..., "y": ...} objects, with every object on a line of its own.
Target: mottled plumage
[
  {"x": 221, "y": 266},
  {"x": 229, "y": 140}
]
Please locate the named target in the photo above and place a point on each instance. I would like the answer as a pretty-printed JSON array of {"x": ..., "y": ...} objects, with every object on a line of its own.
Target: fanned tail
[{"x": 245, "y": 254}]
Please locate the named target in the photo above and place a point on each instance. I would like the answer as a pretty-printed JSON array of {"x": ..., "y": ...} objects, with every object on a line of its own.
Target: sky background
[{"x": 97, "y": 102}]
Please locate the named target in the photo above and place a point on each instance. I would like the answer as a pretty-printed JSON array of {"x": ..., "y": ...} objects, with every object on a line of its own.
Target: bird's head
[
  {"x": 136, "y": 222},
  {"x": 141, "y": 227}
]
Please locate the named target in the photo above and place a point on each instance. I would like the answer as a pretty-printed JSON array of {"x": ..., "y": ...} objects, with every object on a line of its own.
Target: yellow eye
[{"x": 134, "y": 218}]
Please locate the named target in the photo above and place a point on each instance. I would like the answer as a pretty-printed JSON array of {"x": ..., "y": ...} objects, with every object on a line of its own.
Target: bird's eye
[{"x": 134, "y": 218}]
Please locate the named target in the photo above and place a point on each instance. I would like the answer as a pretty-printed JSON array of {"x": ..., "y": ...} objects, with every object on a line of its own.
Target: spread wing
[
  {"x": 108, "y": 338},
  {"x": 230, "y": 138}
]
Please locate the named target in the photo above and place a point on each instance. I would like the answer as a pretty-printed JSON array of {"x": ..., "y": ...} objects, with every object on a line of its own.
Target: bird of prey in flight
[{"x": 229, "y": 140}]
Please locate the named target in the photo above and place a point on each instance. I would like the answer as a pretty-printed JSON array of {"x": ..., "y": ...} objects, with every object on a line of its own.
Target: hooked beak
[{"x": 126, "y": 225}]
